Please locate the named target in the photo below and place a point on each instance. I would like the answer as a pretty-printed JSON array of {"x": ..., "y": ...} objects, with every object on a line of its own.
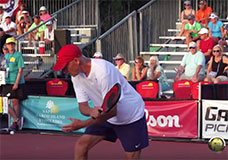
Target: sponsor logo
[
  {"x": 137, "y": 145},
  {"x": 163, "y": 121},
  {"x": 148, "y": 86},
  {"x": 54, "y": 109},
  {"x": 213, "y": 115}
]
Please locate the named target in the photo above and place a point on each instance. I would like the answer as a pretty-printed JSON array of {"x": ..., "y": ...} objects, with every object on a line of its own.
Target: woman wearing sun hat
[
  {"x": 44, "y": 16},
  {"x": 14, "y": 65}
]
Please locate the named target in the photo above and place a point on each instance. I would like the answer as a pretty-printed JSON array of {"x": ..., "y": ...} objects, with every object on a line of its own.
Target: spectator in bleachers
[
  {"x": 21, "y": 26},
  {"x": 2, "y": 59},
  {"x": 122, "y": 66},
  {"x": 9, "y": 26},
  {"x": 5, "y": 49},
  {"x": 22, "y": 7},
  {"x": 202, "y": 15},
  {"x": 48, "y": 35},
  {"x": 44, "y": 16},
  {"x": 184, "y": 15},
  {"x": 3, "y": 37},
  {"x": 191, "y": 30},
  {"x": 192, "y": 65},
  {"x": 98, "y": 55},
  {"x": 156, "y": 72},
  {"x": 218, "y": 66},
  {"x": 28, "y": 19},
  {"x": 205, "y": 44},
  {"x": 2, "y": 12},
  {"x": 224, "y": 41},
  {"x": 139, "y": 72},
  {"x": 36, "y": 34},
  {"x": 215, "y": 28}
]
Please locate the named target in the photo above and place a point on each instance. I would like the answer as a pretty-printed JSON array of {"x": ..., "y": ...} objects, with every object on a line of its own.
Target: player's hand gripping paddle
[{"x": 111, "y": 98}]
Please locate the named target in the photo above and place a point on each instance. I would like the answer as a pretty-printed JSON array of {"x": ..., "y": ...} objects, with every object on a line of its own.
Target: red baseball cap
[{"x": 66, "y": 54}]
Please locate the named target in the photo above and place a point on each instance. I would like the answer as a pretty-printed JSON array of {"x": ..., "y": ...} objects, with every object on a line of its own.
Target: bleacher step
[
  {"x": 169, "y": 45},
  {"x": 164, "y": 53},
  {"x": 173, "y": 37}
]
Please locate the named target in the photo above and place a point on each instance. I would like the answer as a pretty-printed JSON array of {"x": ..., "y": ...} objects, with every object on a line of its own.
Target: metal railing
[
  {"x": 121, "y": 38},
  {"x": 154, "y": 20},
  {"x": 79, "y": 13},
  {"x": 87, "y": 9},
  {"x": 67, "y": 16}
]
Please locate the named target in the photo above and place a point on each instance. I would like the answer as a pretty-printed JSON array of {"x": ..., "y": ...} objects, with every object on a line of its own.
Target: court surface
[{"x": 24, "y": 146}]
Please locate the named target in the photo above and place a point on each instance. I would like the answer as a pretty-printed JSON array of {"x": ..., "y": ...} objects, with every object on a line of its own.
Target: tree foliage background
[{"x": 112, "y": 11}]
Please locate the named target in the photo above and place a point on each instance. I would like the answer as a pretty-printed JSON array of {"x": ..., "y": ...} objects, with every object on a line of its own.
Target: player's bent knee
[
  {"x": 133, "y": 155},
  {"x": 81, "y": 145}
]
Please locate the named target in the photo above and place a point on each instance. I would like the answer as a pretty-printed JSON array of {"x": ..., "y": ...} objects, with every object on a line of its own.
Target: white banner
[{"x": 215, "y": 118}]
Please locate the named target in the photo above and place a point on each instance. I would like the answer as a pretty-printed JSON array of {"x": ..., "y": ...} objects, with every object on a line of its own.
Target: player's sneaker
[
  {"x": 13, "y": 127},
  {"x": 20, "y": 123}
]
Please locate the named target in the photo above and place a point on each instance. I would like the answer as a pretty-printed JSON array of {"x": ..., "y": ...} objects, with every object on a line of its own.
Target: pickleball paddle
[{"x": 111, "y": 98}]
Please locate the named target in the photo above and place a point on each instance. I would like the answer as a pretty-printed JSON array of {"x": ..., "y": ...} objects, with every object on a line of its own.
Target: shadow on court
[{"x": 61, "y": 147}]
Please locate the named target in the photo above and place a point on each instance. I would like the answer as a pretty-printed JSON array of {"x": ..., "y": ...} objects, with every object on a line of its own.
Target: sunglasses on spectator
[
  {"x": 216, "y": 50},
  {"x": 136, "y": 61},
  {"x": 192, "y": 47},
  {"x": 187, "y": 5},
  {"x": 118, "y": 59}
]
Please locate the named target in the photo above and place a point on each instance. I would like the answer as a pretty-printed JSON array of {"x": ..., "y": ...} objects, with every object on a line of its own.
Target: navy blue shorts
[{"x": 133, "y": 137}]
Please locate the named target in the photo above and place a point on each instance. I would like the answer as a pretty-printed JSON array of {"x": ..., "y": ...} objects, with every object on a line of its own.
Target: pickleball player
[{"x": 92, "y": 79}]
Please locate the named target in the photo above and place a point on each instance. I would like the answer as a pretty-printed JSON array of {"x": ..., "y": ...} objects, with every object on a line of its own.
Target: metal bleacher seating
[
  {"x": 39, "y": 65},
  {"x": 170, "y": 55}
]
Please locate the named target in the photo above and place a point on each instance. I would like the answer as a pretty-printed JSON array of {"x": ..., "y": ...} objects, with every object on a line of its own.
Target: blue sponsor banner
[{"x": 50, "y": 113}]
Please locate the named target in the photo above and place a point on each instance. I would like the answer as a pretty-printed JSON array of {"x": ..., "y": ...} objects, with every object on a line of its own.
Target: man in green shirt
[{"x": 191, "y": 29}]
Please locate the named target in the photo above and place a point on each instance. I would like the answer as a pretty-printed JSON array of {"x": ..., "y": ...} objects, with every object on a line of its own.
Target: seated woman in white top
[{"x": 156, "y": 72}]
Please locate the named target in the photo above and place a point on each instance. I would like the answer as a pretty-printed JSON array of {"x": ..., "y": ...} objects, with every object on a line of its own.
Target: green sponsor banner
[{"x": 50, "y": 113}]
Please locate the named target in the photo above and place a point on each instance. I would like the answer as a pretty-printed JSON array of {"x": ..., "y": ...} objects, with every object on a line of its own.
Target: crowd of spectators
[
  {"x": 205, "y": 35},
  {"x": 23, "y": 22},
  {"x": 206, "y": 38}
]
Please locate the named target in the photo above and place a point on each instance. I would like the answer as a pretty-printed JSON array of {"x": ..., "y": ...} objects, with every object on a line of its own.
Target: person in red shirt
[
  {"x": 206, "y": 44},
  {"x": 203, "y": 13}
]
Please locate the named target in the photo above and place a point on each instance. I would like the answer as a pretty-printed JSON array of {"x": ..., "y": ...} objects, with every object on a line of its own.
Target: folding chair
[
  {"x": 148, "y": 89},
  {"x": 182, "y": 89},
  {"x": 56, "y": 87}
]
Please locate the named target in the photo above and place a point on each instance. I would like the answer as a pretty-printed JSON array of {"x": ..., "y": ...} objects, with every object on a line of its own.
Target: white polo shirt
[
  {"x": 103, "y": 75},
  {"x": 6, "y": 27}
]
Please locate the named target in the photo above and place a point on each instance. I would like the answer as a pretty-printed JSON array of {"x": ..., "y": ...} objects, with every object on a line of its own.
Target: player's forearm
[
  {"x": 102, "y": 118},
  {"x": 85, "y": 109}
]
